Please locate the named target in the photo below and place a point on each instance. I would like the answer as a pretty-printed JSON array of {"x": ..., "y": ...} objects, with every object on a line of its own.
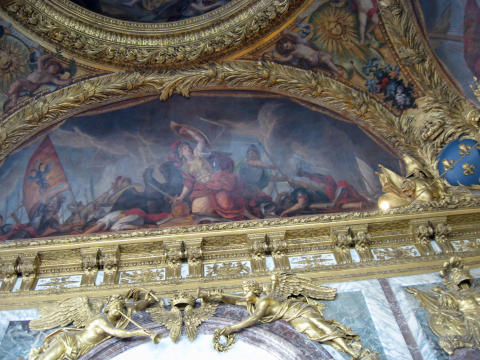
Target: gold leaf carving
[
  {"x": 121, "y": 44},
  {"x": 442, "y": 114},
  {"x": 55, "y": 107}
]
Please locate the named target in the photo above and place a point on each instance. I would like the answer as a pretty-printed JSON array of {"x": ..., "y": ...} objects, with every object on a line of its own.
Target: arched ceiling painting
[{"x": 290, "y": 113}]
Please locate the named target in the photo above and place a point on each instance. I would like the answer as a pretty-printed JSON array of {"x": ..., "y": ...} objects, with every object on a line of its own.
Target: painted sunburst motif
[
  {"x": 14, "y": 56},
  {"x": 337, "y": 32}
]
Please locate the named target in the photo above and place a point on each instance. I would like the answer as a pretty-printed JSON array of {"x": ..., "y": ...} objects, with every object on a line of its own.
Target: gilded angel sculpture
[
  {"x": 454, "y": 311},
  {"x": 192, "y": 316},
  {"x": 91, "y": 326},
  {"x": 303, "y": 313}
]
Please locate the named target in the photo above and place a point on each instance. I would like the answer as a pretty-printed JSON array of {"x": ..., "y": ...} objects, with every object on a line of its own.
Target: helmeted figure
[{"x": 454, "y": 311}]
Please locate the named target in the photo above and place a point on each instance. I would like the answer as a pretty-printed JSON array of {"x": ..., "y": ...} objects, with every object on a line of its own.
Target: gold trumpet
[{"x": 155, "y": 337}]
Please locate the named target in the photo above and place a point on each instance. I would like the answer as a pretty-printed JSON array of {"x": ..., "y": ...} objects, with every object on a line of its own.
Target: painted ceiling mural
[
  {"x": 151, "y": 10},
  {"x": 189, "y": 161},
  {"x": 179, "y": 147},
  {"x": 29, "y": 70},
  {"x": 343, "y": 39},
  {"x": 225, "y": 156},
  {"x": 453, "y": 27}
]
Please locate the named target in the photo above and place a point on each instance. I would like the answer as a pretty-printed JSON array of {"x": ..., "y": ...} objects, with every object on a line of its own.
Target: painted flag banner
[{"x": 44, "y": 177}]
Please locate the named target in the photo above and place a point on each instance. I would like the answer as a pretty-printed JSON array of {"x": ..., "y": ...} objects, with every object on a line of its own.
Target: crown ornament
[
  {"x": 182, "y": 299},
  {"x": 454, "y": 273}
]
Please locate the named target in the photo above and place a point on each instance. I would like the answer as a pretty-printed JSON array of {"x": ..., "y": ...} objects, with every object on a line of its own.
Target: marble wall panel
[
  {"x": 312, "y": 261},
  {"x": 16, "y": 338},
  {"x": 59, "y": 282},
  {"x": 364, "y": 306},
  {"x": 227, "y": 268},
  {"x": 389, "y": 320}
]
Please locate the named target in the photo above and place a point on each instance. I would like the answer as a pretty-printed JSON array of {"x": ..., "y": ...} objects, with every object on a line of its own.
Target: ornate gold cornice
[
  {"x": 42, "y": 113},
  {"x": 116, "y": 44},
  {"x": 387, "y": 245},
  {"x": 239, "y": 229}
]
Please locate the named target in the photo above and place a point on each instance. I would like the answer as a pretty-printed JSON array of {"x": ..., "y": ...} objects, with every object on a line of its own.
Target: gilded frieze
[{"x": 114, "y": 44}]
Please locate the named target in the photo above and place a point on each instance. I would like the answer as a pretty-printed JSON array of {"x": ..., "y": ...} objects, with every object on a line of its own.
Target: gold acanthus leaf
[
  {"x": 55, "y": 107},
  {"x": 120, "y": 44},
  {"x": 441, "y": 105}
]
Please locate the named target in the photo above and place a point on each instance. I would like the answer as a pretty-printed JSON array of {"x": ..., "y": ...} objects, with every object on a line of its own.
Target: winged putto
[{"x": 91, "y": 324}]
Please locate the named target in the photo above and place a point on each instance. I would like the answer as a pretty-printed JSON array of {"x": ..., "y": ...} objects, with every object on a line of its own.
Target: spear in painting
[{"x": 270, "y": 158}]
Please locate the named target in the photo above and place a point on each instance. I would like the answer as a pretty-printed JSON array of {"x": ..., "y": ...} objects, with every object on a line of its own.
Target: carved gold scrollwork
[
  {"x": 9, "y": 273},
  {"x": 259, "y": 246},
  {"x": 174, "y": 254},
  {"x": 28, "y": 266},
  {"x": 442, "y": 231},
  {"x": 112, "y": 43},
  {"x": 442, "y": 113},
  {"x": 109, "y": 258},
  {"x": 345, "y": 239},
  {"x": 194, "y": 253},
  {"x": 279, "y": 249},
  {"x": 363, "y": 241},
  {"x": 89, "y": 265}
]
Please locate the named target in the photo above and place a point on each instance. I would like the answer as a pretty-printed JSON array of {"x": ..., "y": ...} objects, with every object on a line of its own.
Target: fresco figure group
[{"x": 195, "y": 185}]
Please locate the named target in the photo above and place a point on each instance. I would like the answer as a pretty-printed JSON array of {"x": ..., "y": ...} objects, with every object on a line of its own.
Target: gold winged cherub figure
[
  {"x": 454, "y": 311},
  {"x": 303, "y": 313},
  {"x": 91, "y": 326},
  {"x": 192, "y": 316}
]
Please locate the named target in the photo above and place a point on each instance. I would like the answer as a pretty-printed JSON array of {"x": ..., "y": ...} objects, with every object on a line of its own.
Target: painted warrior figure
[{"x": 208, "y": 177}]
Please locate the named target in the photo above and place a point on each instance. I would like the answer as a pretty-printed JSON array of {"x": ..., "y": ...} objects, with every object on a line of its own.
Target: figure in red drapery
[
  {"x": 325, "y": 195},
  {"x": 211, "y": 191},
  {"x": 340, "y": 193}
]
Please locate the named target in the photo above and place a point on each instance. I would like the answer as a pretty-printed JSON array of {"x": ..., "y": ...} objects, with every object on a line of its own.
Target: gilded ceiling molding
[
  {"x": 421, "y": 132},
  {"x": 114, "y": 44},
  {"x": 461, "y": 205},
  {"x": 442, "y": 113},
  {"x": 42, "y": 113}
]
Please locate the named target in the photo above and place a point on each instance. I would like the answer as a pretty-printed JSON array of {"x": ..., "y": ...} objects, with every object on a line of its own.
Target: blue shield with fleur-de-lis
[{"x": 459, "y": 162}]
